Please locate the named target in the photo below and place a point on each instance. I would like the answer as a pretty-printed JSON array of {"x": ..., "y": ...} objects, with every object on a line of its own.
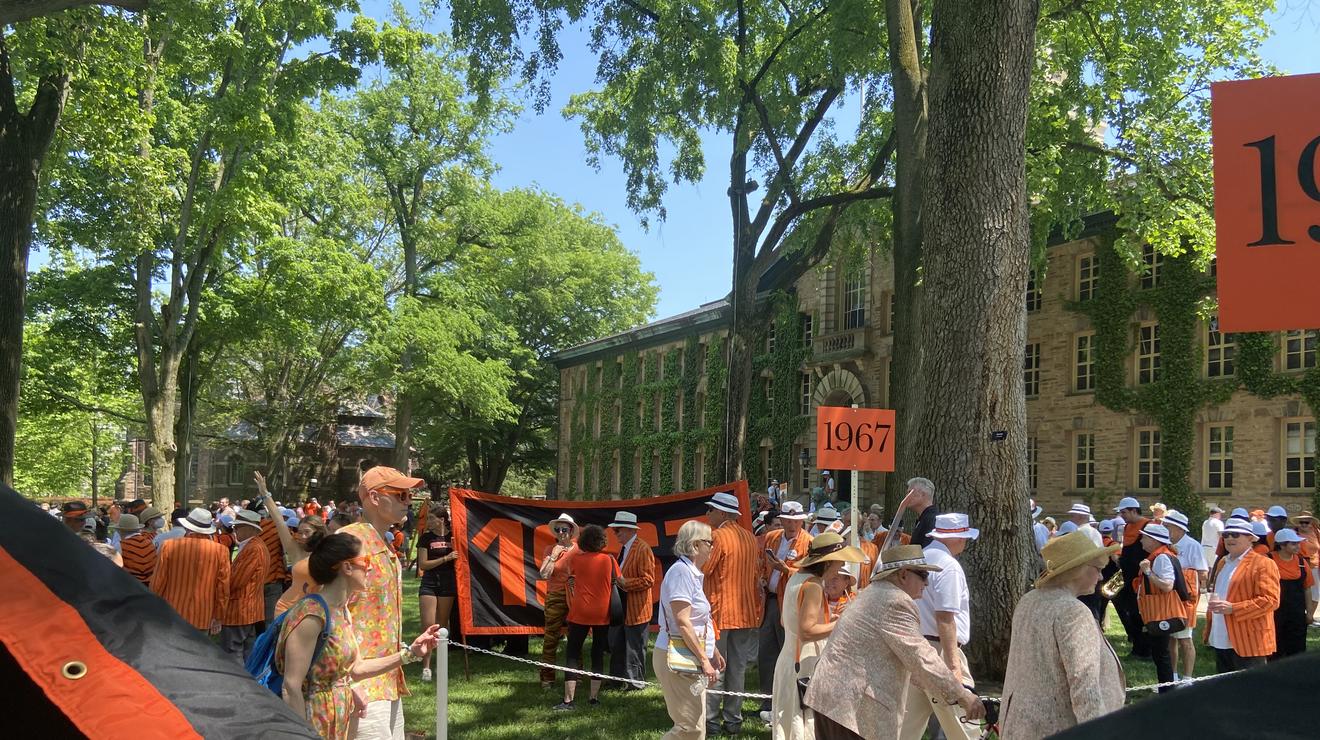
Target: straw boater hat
[
  {"x": 1306, "y": 516},
  {"x": 899, "y": 557},
  {"x": 1156, "y": 532},
  {"x": 199, "y": 520},
  {"x": 1070, "y": 551},
  {"x": 828, "y": 546},
  {"x": 624, "y": 519},
  {"x": 725, "y": 502}
]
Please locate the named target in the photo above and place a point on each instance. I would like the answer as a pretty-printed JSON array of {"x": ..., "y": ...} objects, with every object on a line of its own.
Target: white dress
[{"x": 789, "y": 720}]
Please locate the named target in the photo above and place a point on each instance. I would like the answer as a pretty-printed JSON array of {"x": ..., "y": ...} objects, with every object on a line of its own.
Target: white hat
[
  {"x": 1238, "y": 526},
  {"x": 1277, "y": 510},
  {"x": 1127, "y": 503},
  {"x": 1286, "y": 535},
  {"x": 1178, "y": 519},
  {"x": 1260, "y": 529},
  {"x": 250, "y": 518},
  {"x": 824, "y": 472},
  {"x": 565, "y": 518},
  {"x": 1156, "y": 532},
  {"x": 199, "y": 520},
  {"x": 827, "y": 513},
  {"x": 1036, "y": 511},
  {"x": 792, "y": 510},
  {"x": 954, "y": 527},
  {"x": 852, "y": 570},
  {"x": 1080, "y": 509},
  {"x": 726, "y": 502},
  {"x": 1215, "y": 509},
  {"x": 624, "y": 519}
]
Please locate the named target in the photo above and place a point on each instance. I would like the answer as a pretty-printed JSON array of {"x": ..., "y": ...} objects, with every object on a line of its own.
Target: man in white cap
[
  {"x": 192, "y": 573},
  {"x": 1276, "y": 517},
  {"x": 246, "y": 606},
  {"x": 638, "y": 569},
  {"x": 1129, "y": 560},
  {"x": 1195, "y": 571},
  {"x": 772, "y": 491},
  {"x": 1210, "y": 529},
  {"x": 827, "y": 482},
  {"x": 1241, "y": 607},
  {"x": 783, "y": 548},
  {"x": 945, "y": 615},
  {"x": 733, "y": 586}
]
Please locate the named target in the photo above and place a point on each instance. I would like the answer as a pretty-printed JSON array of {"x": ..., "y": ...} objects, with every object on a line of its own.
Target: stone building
[{"x": 1248, "y": 449}]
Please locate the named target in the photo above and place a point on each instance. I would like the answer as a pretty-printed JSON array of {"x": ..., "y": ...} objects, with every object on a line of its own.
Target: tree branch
[
  {"x": 1165, "y": 188},
  {"x": 799, "y": 145},
  {"x": 784, "y": 173},
  {"x": 15, "y": 11},
  {"x": 1063, "y": 11}
]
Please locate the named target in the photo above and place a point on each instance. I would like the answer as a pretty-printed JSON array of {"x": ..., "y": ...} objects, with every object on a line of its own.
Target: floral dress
[{"x": 328, "y": 692}]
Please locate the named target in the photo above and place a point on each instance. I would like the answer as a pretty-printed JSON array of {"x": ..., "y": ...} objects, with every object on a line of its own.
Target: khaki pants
[
  {"x": 687, "y": 711},
  {"x": 556, "y": 612},
  {"x": 920, "y": 705},
  {"x": 383, "y": 721}
]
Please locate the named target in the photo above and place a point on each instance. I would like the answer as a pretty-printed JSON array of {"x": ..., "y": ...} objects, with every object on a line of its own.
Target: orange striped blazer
[
  {"x": 639, "y": 572},
  {"x": 139, "y": 554},
  {"x": 800, "y": 545},
  {"x": 278, "y": 571},
  {"x": 192, "y": 575},
  {"x": 733, "y": 578},
  {"x": 247, "y": 575},
  {"x": 1254, "y": 593}
]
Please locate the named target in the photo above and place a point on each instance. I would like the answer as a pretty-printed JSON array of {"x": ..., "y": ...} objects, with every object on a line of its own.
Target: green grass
[{"x": 503, "y": 700}]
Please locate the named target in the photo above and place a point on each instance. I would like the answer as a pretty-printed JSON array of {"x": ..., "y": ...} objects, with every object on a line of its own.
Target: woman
[
  {"x": 554, "y": 570},
  {"x": 439, "y": 586},
  {"x": 1295, "y": 581},
  {"x": 685, "y": 614},
  {"x": 807, "y": 623},
  {"x": 322, "y": 692},
  {"x": 303, "y": 540},
  {"x": 591, "y": 578},
  {"x": 338, "y": 521},
  {"x": 1310, "y": 550},
  {"x": 1061, "y": 670},
  {"x": 841, "y": 588}
]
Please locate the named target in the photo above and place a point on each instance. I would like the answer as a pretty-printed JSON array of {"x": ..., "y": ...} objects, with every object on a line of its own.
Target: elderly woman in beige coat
[{"x": 1061, "y": 669}]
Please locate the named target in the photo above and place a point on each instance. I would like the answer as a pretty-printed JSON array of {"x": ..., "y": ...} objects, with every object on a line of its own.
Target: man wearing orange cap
[{"x": 377, "y": 610}]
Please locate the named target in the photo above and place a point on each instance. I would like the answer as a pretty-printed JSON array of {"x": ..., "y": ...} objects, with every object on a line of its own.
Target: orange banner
[{"x": 855, "y": 439}]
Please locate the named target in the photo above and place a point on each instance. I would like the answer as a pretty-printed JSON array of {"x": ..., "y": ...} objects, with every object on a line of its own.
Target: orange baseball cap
[{"x": 382, "y": 477}]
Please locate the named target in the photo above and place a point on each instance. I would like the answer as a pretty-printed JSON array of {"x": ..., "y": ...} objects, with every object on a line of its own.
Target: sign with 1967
[
  {"x": 854, "y": 439},
  {"x": 1266, "y": 134}
]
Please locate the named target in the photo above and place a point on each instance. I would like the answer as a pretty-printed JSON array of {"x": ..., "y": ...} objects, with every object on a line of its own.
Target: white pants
[
  {"x": 384, "y": 721},
  {"x": 920, "y": 705}
]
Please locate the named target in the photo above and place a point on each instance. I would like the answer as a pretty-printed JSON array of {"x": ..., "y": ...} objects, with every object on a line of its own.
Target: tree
[{"x": 17, "y": 11}]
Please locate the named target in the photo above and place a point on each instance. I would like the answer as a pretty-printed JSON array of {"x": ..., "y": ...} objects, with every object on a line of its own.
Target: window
[
  {"x": 854, "y": 301},
  {"x": 1219, "y": 457},
  {"x": 1152, "y": 263},
  {"x": 1299, "y": 349},
  {"x": 1219, "y": 351},
  {"x": 1298, "y": 455},
  {"x": 614, "y": 473},
  {"x": 770, "y": 338},
  {"x": 1084, "y": 461},
  {"x": 1088, "y": 276},
  {"x": 1148, "y": 459},
  {"x": 699, "y": 468},
  {"x": 1084, "y": 367},
  {"x": 701, "y": 410},
  {"x": 805, "y": 483},
  {"x": 769, "y": 391},
  {"x": 1033, "y": 294},
  {"x": 807, "y": 326},
  {"x": 1031, "y": 462},
  {"x": 235, "y": 471},
  {"x": 701, "y": 361},
  {"x": 806, "y": 394},
  {"x": 1031, "y": 370},
  {"x": 1148, "y": 353}
]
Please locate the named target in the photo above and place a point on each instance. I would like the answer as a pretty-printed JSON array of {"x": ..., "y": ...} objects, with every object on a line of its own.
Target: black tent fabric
[
  {"x": 1275, "y": 701},
  {"x": 82, "y": 639}
]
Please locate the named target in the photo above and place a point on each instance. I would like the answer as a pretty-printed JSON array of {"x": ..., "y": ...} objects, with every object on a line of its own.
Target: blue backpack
[{"x": 261, "y": 661}]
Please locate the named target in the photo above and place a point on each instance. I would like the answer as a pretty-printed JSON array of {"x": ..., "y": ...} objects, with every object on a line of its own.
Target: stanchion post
[{"x": 442, "y": 686}]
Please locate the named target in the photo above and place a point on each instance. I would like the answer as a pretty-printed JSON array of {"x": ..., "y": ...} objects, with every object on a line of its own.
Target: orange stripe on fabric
[{"x": 112, "y": 700}]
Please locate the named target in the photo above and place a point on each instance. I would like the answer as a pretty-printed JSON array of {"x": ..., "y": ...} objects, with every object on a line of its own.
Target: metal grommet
[{"x": 74, "y": 670}]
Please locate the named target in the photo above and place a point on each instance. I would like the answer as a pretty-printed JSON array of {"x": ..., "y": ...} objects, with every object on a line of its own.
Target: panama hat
[
  {"x": 1036, "y": 511},
  {"x": 792, "y": 510},
  {"x": 1178, "y": 519},
  {"x": 901, "y": 557},
  {"x": 250, "y": 518},
  {"x": 1239, "y": 526},
  {"x": 199, "y": 520},
  {"x": 1156, "y": 532},
  {"x": 954, "y": 527},
  {"x": 127, "y": 523},
  {"x": 624, "y": 519},
  {"x": 725, "y": 502},
  {"x": 149, "y": 513},
  {"x": 1306, "y": 516},
  {"x": 1070, "y": 551},
  {"x": 827, "y": 513},
  {"x": 828, "y": 546},
  {"x": 1080, "y": 509},
  {"x": 566, "y": 519}
]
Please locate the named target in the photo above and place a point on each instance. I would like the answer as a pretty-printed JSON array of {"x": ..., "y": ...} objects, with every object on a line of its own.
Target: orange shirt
[
  {"x": 1291, "y": 570},
  {"x": 192, "y": 575},
  {"x": 397, "y": 542},
  {"x": 247, "y": 575},
  {"x": 733, "y": 578},
  {"x": 559, "y": 574},
  {"x": 271, "y": 536},
  {"x": 377, "y": 613},
  {"x": 1132, "y": 532},
  {"x": 593, "y": 576},
  {"x": 301, "y": 586},
  {"x": 139, "y": 554}
]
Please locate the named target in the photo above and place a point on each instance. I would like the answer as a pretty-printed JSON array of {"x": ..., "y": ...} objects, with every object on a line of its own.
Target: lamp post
[{"x": 737, "y": 194}]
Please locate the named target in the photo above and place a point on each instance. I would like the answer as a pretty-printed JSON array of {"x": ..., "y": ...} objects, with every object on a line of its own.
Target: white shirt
[
  {"x": 1219, "y": 627},
  {"x": 783, "y": 554},
  {"x": 1042, "y": 534},
  {"x": 1092, "y": 534},
  {"x": 1190, "y": 554},
  {"x": 946, "y": 591},
  {"x": 1162, "y": 568},
  {"x": 169, "y": 534},
  {"x": 1210, "y": 531},
  {"x": 683, "y": 583}
]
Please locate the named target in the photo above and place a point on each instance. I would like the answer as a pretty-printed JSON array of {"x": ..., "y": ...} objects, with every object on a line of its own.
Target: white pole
[
  {"x": 442, "y": 686},
  {"x": 852, "y": 508}
]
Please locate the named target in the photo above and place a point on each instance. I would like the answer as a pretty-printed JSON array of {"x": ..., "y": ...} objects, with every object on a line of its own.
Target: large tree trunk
[
  {"x": 974, "y": 267},
  {"x": 909, "y": 80},
  {"x": 183, "y": 427}
]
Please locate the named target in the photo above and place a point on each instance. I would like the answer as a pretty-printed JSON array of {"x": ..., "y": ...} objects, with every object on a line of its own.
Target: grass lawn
[{"x": 503, "y": 700}]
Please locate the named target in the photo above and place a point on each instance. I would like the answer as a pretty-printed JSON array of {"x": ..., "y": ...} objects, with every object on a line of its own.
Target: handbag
[
  {"x": 617, "y": 601},
  {"x": 1165, "y": 627},
  {"x": 679, "y": 656}
]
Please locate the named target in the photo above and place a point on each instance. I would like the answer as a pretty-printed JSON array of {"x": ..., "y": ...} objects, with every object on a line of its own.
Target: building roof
[{"x": 358, "y": 435}]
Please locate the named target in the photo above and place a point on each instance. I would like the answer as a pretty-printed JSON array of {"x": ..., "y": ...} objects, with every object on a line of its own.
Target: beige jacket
[
  {"x": 1061, "y": 670},
  {"x": 861, "y": 681}
]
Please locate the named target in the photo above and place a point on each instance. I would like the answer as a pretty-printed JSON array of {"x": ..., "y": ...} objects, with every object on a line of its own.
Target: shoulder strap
[
  {"x": 825, "y": 603},
  {"x": 325, "y": 628}
]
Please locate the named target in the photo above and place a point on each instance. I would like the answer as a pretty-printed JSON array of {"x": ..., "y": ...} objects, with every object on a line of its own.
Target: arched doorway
[{"x": 839, "y": 387}]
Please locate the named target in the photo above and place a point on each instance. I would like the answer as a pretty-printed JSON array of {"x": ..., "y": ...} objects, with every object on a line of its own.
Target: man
[
  {"x": 1210, "y": 529},
  {"x": 75, "y": 514},
  {"x": 192, "y": 573},
  {"x": 945, "y": 617},
  {"x": 827, "y": 483},
  {"x": 772, "y": 492},
  {"x": 377, "y": 610},
  {"x": 277, "y": 574},
  {"x": 1080, "y": 516},
  {"x": 1159, "y": 599},
  {"x": 1039, "y": 532},
  {"x": 732, "y": 584},
  {"x": 826, "y": 515},
  {"x": 175, "y": 530},
  {"x": 1276, "y": 518},
  {"x": 920, "y": 498},
  {"x": 136, "y": 548},
  {"x": 638, "y": 568},
  {"x": 1195, "y": 572},
  {"x": 225, "y": 508},
  {"x": 1240, "y": 613},
  {"x": 248, "y": 572},
  {"x": 876, "y": 649},
  {"x": 783, "y": 548},
  {"x": 1129, "y": 561}
]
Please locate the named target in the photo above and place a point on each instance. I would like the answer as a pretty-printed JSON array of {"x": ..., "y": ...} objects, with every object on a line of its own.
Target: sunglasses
[
  {"x": 923, "y": 575},
  {"x": 361, "y": 561},
  {"x": 403, "y": 497},
  {"x": 1232, "y": 535},
  {"x": 562, "y": 530}
]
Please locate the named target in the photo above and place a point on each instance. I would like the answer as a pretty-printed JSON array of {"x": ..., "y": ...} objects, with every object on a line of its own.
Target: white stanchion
[{"x": 442, "y": 686}]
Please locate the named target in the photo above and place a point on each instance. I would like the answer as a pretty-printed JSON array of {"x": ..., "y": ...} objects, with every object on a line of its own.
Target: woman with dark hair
[
  {"x": 322, "y": 691},
  {"x": 302, "y": 540},
  {"x": 435, "y": 561},
  {"x": 1295, "y": 581},
  {"x": 591, "y": 578},
  {"x": 341, "y": 519}
]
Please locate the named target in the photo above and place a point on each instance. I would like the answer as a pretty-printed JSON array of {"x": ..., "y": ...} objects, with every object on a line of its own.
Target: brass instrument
[{"x": 1110, "y": 588}]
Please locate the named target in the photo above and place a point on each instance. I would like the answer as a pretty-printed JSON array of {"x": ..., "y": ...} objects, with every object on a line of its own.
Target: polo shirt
[
  {"x": 1190, "y": 554},
  {"x": 946, "y": 591},
  {"x": 686, "y": 583}
]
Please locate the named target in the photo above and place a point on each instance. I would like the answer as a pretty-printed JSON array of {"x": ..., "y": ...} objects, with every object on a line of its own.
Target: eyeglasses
[
  {"x": 361, "y": 561},
  {"x": 711, "y": 543},
  {"x": 562, "y": 530},
  {"x": 403, "y": 497},
  {"x": 923, "y": 575}
]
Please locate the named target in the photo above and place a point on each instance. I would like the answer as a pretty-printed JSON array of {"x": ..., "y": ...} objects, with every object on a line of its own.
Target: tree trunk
[
  {"x": 974, "y": 268},
  {"x": 742, "y": 322},
  {"x": 183, "y": 427},
  {"x": 909, "y": 80}
]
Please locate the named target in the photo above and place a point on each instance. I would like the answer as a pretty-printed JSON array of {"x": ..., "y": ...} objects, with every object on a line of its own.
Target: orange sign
[
  {"x": 1267, "y": 202},
  {"x": 855, "y": 439}
]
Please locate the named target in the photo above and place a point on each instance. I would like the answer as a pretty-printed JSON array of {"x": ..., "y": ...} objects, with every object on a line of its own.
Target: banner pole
[
  {"x": 852, "y": 509},
  {"x": 442, "y": 686}
]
